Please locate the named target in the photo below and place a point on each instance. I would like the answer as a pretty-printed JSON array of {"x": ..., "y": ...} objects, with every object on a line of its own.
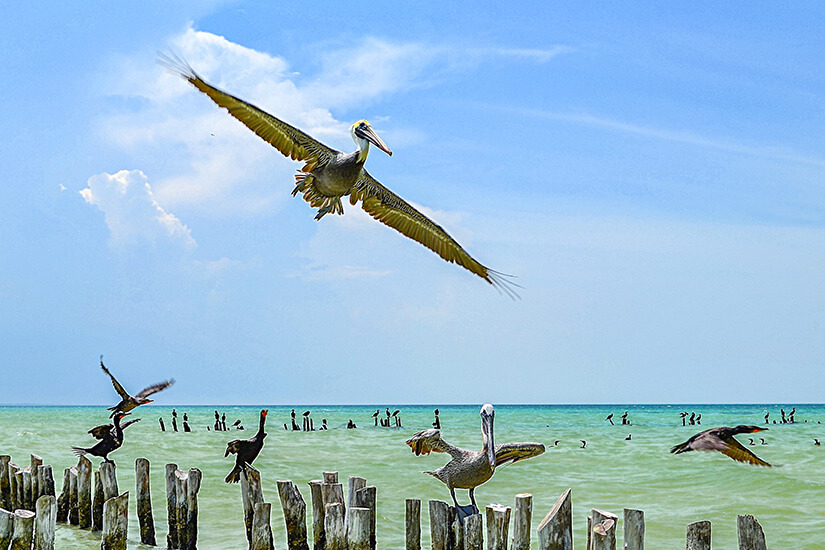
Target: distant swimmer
[
  {"x": 584, "y": 443},
  {"x": 127, "y": 402},
  {"x": 722, "y": 439},
  {"x": 610, "y": 419},
  {"x": 245, "y": 450}
]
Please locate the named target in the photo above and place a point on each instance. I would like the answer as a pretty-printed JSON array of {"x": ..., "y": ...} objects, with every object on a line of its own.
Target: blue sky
[{"x": 653, "y": 174}]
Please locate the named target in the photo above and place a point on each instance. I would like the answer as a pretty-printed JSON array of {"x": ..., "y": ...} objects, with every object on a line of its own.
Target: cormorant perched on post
[
  {"x": 722, "y": 439},
  {"x": 110, "y": 436},
  {"x": 127, "y": 402},
  {"x": 469, "y": 469},
  {"x": 245, "y": 450}
]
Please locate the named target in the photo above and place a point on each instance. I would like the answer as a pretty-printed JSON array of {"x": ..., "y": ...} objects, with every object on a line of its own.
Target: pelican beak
[
  {"x": 369, "y": 134},
  {"x": 487, "y": 427}
]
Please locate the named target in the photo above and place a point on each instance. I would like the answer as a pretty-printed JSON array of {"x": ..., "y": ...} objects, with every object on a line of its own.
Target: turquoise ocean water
[{"x": 610, "y": 474}]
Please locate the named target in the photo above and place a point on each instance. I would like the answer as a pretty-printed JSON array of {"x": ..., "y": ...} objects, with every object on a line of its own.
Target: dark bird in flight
[
  {"x": 329, "y": 175},
  {"x": 722, "y": 439},
  {"x": 245, "y": 450},
  {"x": 127, "y": 402},
  {"x": 110, "y": 436},
  {"x": 469, "y": 469}
]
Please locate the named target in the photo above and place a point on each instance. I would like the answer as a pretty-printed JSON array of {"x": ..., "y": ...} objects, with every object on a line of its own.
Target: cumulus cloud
[{"x": 131, "y": 211}]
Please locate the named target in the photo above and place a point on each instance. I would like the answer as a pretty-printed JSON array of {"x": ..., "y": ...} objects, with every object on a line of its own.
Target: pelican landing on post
[
  {"x": 329, "y": 175},
  {"x": 469, "y": 469}
]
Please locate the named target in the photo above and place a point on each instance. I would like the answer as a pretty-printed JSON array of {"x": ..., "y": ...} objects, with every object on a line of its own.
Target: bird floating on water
[
  {"x": 127, "y": 402},
  {"x": 329, "y": 175},
  {"x": 722, "y": 439},
  {"x": 469, "y": 469}
]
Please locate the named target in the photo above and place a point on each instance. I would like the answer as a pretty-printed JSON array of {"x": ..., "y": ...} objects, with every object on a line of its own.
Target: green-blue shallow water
[{"x": 610, "y": 474}]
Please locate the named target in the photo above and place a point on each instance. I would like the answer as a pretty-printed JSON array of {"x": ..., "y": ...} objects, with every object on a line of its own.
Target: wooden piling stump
[
  {"x": 63, "y": 499},
  {"x": 194, "y": 486},
  {"x": 334, "y": 526},
  {"x": 35, "y": 487},
  {"x": 171, "y": 507},
  {"x": 182, "y": 511},
  {"x": 45, "y": 522},
  {"x": 474, "y": 532},
  {"x": 318, "y": 512},
  {"x": 45, "y": 480},
  {"x": 14, "y": 491},
  {"x": 698, "y": 536},
  {"x": 439, "y": 524},
  {"x": 251, "y": 493},
  {"x": 73, "y": 510},
  {"x": 115, "y": 523},
  {"x": 556, "y": 529},
  {"x": 749, "y": 533},
  {"x": 634, "y": 529},
  {"x": 108, "y": 476},
  {"x": 498, "y": 524},
  {"x": 603, "y": 530},
  {"x": 97, "y": 503},
  {"x": 295, "y": 515},
  {"x": 144, "y": 502},
  {"x": 367, "y": 498},
  {"x": 5, "y": 488},
  {"x": 84, "y": 493},
  {"x": 522, "y": 518},
  {"x": 26, "y": 476},
  {"x": 358, "y": 528},
  {"x": 6, "y": 527},
  {"x": 413, "y": 524},
  {"x": 261, "y": 528},
  {"x": 23, "y": 530}
]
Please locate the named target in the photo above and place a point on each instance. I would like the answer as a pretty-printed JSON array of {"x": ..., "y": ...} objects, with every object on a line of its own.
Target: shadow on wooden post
[{"x": 556, "y": 529}]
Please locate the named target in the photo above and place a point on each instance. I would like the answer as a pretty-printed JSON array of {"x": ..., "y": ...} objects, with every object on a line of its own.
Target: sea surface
[{"x": 611, "y": 473}]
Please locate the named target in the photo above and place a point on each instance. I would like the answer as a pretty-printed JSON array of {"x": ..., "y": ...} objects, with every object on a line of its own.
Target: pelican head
[
  {"x": 487, "y": 417},
  {"x": 363, "y": 135}
]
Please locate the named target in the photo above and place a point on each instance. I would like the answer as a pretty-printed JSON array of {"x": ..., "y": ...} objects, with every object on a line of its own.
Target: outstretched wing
[
  {"x": 393, "y": 211},
  {"x": 129, "y": 423},
  {"x": 287, "y": 139},
  {"x": 155, "y": 388},
  {"x": 737, "y": 451},
  {"x": 99, "y": 432},
  {"x": 118, "y": 388},
  {"x": 427, "y": 441},
  {"x": 513, "y": 452},
  {"x": 232, "y": 447}
]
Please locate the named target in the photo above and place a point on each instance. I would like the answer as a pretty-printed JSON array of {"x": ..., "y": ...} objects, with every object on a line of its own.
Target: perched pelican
[
  {"x": 469, "y": 469},
  {"x": 721, "y": 439},
  {"x": 329, "y": 175},
  {"x": 127, "y": 402}
]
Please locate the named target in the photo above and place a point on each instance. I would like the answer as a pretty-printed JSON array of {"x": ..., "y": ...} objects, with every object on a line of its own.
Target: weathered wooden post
[
  {"x": 556, "y": 529},
  {"x": 634, "y": 529},
  {"x": 45, "y": 522},
  {"x": 84, "y": 492},
  {"x": 295, "y": 515},
  {"x": 261, "y": 529},
  {"x": 35, "y": 488},
  {"x": 74, "y": 518},
  {"x": 413, "y": 524},
  {"x": 26, "y": 476},
  {"x": 354, "y": 483},
  {"x": 192, "y": 489},
  {"x": 439, "y": 525},
  {"x": 144, "y": 502},
  {"x": 749, "y": 533},
  {"x": 603, "y": 530},
  {"x": 498, "y": 524},
  {"x": 23, "y": 530},
  {"x": 522, "y": 520},
  {"x": 45, "y": 480},
  {"x": 14, "y": 490},
  {"x": 333, "y": 492},
  {"x": 251, "y": 493},
  {"x": 358, "y": 528},
  {"x": 171, "y": 507},
  {"x": 334, "y": 526},
  {"x": 367, "y": 498},
  {"x": 456, "y": 529},
  {"x": 5, "y": 488},
  {"x": 182, "y": 512},
  {"x": 97, "y": 503},
  {"x": 115, "y": 523},
  {"x": 318, "y": 512},
  {"x": 6, "y": 527},
  {"x": 474, "y": 532},
  {"x": 698, "y": 536},
  {"x": 108, "y": 476},
  {"x": 63, "y": 499}
]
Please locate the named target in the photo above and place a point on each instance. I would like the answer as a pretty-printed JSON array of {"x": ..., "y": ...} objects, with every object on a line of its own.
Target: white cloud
[{"x": 131, "y": 211}]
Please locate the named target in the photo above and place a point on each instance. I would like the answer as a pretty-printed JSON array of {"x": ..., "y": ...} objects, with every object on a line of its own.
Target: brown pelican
[
  {"x": 127, "y": 402},
  {"x": 721, "y": 439},
  {"x": 469, "y": 469},
  {"x": 329, "y": 175}
]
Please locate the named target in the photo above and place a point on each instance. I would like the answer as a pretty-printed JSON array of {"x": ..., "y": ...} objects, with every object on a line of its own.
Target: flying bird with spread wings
[
  {"x": 127, "y": 402},
  {"x": 722, "y": 439},
  {"x": 328, "y": 175}
]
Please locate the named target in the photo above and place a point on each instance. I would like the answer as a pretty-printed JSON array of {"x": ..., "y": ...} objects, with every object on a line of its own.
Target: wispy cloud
[{"x": 131, "y": 211}]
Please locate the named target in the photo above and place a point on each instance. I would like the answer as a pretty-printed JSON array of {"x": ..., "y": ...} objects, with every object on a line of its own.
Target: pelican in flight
[
  {"x": 329, "y": 175},
  {"x": 469, "y": 469},
  {"x": 722, "y": 439}
]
